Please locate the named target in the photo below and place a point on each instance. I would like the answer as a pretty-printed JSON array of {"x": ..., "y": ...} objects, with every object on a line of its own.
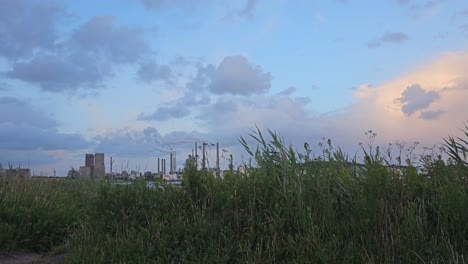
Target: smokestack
[
  {"x": 158, "y": 167},
  {"x": 173, "y": 162},
  {"x": 170, "y": 163},
  {"x": 203, "y": 160},
  {"x": 196, "y": 156},
  {"x": 217, "y": 156},
  {"x": 111, "y": 165}
]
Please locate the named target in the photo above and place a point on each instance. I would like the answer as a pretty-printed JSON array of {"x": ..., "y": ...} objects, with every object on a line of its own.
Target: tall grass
[
  {"x": 291, "y": 207},
  {"x": 38, "y": 215}
]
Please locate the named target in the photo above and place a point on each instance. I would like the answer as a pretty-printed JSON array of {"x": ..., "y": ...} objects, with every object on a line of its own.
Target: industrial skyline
[{"x": 133, "y": 78}]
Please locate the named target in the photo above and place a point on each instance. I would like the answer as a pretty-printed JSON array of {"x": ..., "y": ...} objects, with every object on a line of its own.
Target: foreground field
[{"x": 288, "y": 208}]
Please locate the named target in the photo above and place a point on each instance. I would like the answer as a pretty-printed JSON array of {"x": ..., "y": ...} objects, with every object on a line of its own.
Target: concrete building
[
  {"x": 86, "y": 172},
  {"x": 89, "y": 160},
  {"x": 99, "y": 166},
  {"x": 94, "y": 166}
]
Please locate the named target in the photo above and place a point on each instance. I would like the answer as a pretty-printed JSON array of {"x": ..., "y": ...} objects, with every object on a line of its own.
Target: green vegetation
[{"x": 291, "y": 207}]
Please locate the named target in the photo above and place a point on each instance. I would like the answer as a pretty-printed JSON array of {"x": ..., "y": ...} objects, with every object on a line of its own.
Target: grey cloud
[
  {"x": 388, "y": 37},
  {"x": 15, "y": 137},
  {"x": 18, "y": 112},
  {"x": 403, "y": 2},
  {"x": 101, "y": 37},
  {"x": 394, "y": 37},
  {"x": 126, "y": 142},
  {"x": 164, "y": 113},
  {"x": 288, "y": 91},
  {"x": 415, "y": 98},
  {"x": 24, "y": 128},
  {"x": 86, "y": 59},
  {"x": 179, "y": 108},
  {"x": 431, "y": 115},
  {"x": 151, "y": 71},
  {"x": 249, "y": 8},
  {"x": 302, "y": 100},
  {"x": 224, "y": 105},
  {"x": 202, "y": 79},
  {"x": 235, "y": 75},
  {"x": 26, "y": 26},
  {"x": 56, "y": 74},
  {"x": 373, "y": 44}
]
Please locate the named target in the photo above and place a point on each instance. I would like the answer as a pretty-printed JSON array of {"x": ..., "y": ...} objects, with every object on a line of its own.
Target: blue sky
[{"x": 132, "y": 77}]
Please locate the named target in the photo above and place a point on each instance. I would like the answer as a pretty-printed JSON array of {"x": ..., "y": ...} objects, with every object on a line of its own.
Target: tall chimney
[
  {"x": 217, "y": 158},
  {"x": 196, "y": 156},
  {"x": 203, "y": 160},
  {"x": 170, "y": 163}
]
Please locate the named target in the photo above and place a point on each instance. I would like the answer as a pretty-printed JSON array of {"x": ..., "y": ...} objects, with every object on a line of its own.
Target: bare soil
[{"x": 25, "y": 257}]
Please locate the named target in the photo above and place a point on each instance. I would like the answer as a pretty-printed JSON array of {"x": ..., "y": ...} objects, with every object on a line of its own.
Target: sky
[{"x": 136, "y": 78}]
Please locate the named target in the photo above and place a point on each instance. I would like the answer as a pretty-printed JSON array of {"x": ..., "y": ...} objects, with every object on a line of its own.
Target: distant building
[
  {"x": 99, "y": 166},
  {"x": 89, "y": 160},
  {"x": 86, "y": 172},
  {"x": 94, "y": 166}
]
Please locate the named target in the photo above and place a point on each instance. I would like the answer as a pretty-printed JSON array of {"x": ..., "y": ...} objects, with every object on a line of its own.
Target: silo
[
  {"x": 89, "y": 160},
  {"x": 99, "y": 166}
]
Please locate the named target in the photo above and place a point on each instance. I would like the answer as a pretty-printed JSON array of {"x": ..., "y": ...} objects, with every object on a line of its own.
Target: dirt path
[{"x": 23, "y": 257}]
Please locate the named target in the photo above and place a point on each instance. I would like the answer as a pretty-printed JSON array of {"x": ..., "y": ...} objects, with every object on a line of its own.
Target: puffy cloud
[
  {"x": 380, "y": 107},
  {"x": 26, "y": 26},
  {"x": 290, "y": 90},
  {"x": 164, "y": 113},
  {"x": 235, "y": 75},
  {"x": 27, "y": 137},
  {"x": 423, "y": 105},
  {"x": 55, "y": 74},
  {"x": 151, "y": 71},
  {"x": 415, "y": 98},
  {"x": 101, "y": 37},
  {"x": 388, "y": 37},
  {"x": 431, "y": 115},
  {"x": 377, "y": 107},
  {"x": 86, "y": 59}
]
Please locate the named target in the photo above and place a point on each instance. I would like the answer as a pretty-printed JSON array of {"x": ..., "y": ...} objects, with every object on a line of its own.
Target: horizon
[{"x": 136, "y": 78}]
